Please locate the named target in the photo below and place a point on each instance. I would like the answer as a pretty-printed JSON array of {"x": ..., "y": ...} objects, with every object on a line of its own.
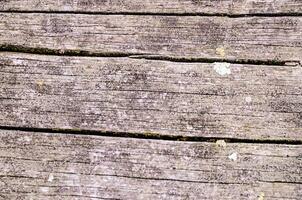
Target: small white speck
[
  {"x": 44, "y": 189},
  {"x": 222, "y": 68},
  {"x": 221, "y": 143},
  {"x": 220, "y": 51},
  {"x": 25, "y": 139},
  {"x": 233, "y": 156},
  {"x": 189, "y": 127},
  {"x": 50, "y": 178},
  {"x": 18, "y": 62},
  {"x": 261, "y": 196},
  {"x": 248, "y": 99}
]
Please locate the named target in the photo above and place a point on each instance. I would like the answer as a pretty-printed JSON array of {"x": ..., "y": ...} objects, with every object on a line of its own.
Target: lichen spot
[
  {"x": 88, "y": 69},
  {"x": 248, "y": 99},
  {"x": 40, "y": 84},
  {"x": 233, "y": 156},
  {"x": 220, "y": 51},
  {"x": 221, "y": 143},
  {"x": 222, "y": 68},
  {"x": 261, "y": 196},
  {"x": 50, "y": 178}
]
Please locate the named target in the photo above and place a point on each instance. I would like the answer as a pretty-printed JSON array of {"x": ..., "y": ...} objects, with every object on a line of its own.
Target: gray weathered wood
[
  {"x": 159, "y": 6},
  {"x": 258, "y": 38},
  {"x": 149, "y": 96},
  {"x": 48, "y": 166}
]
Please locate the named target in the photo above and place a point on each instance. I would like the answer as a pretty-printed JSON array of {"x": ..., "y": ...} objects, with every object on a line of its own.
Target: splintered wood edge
[{"x": 150, "y": 97}]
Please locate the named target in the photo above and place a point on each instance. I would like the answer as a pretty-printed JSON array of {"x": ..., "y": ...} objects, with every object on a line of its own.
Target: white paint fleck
[
  {"x": 50, "y": 178},
  {"x": 248, "y": 99},
  {"x": 222, "y": 68},
  {"x": 233, "y": 156}
]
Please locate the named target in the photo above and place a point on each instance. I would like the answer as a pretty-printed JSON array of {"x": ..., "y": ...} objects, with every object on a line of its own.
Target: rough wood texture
[
  {"x": 159, "y": 6},
  {"x": 129, "y": 90},
  {"x": 258, "y": 38},
  {"x": 148, "y": 96},
  {"x": 48, "y": 166}
]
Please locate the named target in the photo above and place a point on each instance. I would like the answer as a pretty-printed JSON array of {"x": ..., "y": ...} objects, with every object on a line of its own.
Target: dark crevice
[
  {"x": 82, "y": 53},
  {"x": 230, "y": 15},
  {"x": 282, "y": 182},
  {"x": 169, "y": 179},
  {"x": 150, "y": 178},
  {"x": 18, "y": 176},
  {"x": 152, "y": 136},
  {"x": 59, "y": 52},
  {"x": 213, "y": 60},
  {"x": 76, "y": 196}
]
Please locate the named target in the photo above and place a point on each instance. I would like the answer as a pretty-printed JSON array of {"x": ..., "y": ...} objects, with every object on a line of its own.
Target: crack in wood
[
  {"x": 151, "y": 136},
  {"x": 202, "y": 14},
  {"x": 82, "y": 53}
]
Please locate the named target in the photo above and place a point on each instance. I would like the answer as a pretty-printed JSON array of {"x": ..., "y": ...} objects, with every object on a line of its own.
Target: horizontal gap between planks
[
  {"x": 230, "y": 15},
  {"x": 151, "y": 136},
  {"x": 80, "y": 53}
]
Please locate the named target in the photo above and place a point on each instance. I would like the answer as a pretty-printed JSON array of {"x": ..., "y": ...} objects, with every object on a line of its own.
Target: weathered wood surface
[
  {"x": 149, "y": 96},
  {"x": 117, "y": 93},
  {"x": 47, "y": 166},
  {"x": 159, "y": 6},
  {"x": 257, "y": 38}
]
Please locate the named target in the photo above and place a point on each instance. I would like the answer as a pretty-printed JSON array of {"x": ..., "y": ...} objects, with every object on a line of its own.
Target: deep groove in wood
[
  {"x": 57, "y": 52},
  {"x": 294, "y": 14},
  {"x": 46, "y": 51},
  {"x": 152, "y": 136},
  {"x": 213, "y": 60}
]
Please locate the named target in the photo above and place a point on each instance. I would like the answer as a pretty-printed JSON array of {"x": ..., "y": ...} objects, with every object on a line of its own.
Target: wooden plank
[
  {"x": 158, "y": 6},
  {"x": 149, "y": 96},
  {"x": 47, "y": 166},
  {"x": 256, "y": 38}
]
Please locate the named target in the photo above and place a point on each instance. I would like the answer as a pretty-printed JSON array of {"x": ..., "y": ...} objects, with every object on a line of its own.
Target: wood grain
[
  {"x": 47, "y": 166},
  {"x": 159, "y": 6},
  {"x": 149, "y": 96},
  {"x": 255, "y": 38}
]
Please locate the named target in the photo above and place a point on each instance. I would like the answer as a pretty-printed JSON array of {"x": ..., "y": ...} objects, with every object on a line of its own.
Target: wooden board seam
[
  {"x": 201, "y": 14},
  {"x": 81, "y": 53},
  {"x": 151, "y": 136},
  {"x": 45, "y": 165}
]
